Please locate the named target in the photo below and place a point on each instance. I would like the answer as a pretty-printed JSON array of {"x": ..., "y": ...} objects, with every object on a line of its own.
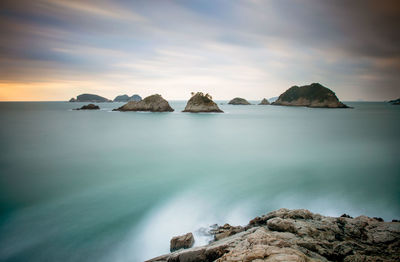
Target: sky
[{"x": 58, "y": 49}]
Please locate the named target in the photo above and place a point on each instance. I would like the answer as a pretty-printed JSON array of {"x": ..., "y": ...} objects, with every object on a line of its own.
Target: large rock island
[
  {"x": 239, "y": 101},
  {"x": 89, "y": 98},
  {"x": 299, "y": 236},
  {"x": 153, "y": 103},
  {"x": 314, "y": 95},
  {"x": 201, "y": 103}
]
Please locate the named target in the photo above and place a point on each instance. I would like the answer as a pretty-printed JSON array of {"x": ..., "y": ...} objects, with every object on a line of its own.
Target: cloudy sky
[{"x": 57, "y": 49}]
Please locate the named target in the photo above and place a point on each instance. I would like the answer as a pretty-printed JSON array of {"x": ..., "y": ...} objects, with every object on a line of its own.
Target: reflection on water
[{"x": 112, "y": 186}]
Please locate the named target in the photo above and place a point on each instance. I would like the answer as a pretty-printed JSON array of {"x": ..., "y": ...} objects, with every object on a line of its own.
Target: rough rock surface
[
  {"x": 264, "y": 102},
  {"x": 314, "y": 95},
  {"x": 201, "y": 103},
  {"x": 179, "y": 242},
  {"x": 301, "y": 236},
  {"x": 153, "y": 103},
  {"x": 239, "y": 101},
  {"x": 89, "y": 98},
  {"x": 89, "y": 107}
]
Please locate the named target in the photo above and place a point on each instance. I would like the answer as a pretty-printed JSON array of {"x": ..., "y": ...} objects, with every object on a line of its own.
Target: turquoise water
[{"x": 113, "y": 186}]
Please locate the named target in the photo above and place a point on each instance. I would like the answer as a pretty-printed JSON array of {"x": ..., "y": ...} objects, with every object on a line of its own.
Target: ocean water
[{"x": 113, "y": 186}]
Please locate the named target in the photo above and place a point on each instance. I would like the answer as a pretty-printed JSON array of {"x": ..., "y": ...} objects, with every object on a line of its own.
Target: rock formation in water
[
  {"x": 301, "y": 236},
  {"x": 153, "y": 103},
  {"x": 395, "y": 102},
  {"x": 264, "y": 102},
  {"x": 126, "y": 98},
  {"x": 239, "y": 101},
  {"x": 179, "y": 242},
  {"x": 121, "y": 98},
  {"x": 89, "y": 107},
  {"x": 136, "y": 98},
  {"x": 201, "y": 103},
  {"x": 314, "y": 95},
  {"x": 273, "y": 99},
  {"x": 89, "y": 98}
]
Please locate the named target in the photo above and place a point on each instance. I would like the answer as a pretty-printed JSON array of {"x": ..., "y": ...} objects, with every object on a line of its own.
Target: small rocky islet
[
  {"x": 89, "y": 107},
  {"x": 314, "y": 95},
  {"x": 201, "y": 103},
  {"x": 153, "y": 103},
  {"x": 126, "y": 98},
  {"x": 395, "y": 102},
  {"x": 238, "y": 101},
  {"x": 264, "y": 102},
  {"x": 296, "y": 235}
]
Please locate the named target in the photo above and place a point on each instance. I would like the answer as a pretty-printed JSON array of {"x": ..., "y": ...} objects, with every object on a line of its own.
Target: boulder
[
  {"x": 201, "y": 103},
  {"x": 264, "y": 102},
  {"x": 314, "y": 95},
  {"x": 72, "y": 100},
  {"x": 153, "y": 103},
  {"x": 239, "y": 101},
  {"x": 89, "y": 107},
  {"x": 184, "y": 241}
]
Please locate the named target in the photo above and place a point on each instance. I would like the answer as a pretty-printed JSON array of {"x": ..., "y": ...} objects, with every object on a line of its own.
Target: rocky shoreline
[{"x": 301, "y": 236}]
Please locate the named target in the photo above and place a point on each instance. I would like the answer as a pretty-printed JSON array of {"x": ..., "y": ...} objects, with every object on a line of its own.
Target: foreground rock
[
  {"x": 264, "y": 102},
  {"x": 239, "y": 101},
  {"x": 201, "y": 103},
  {"x": 153, "y": 103},
  {"x": 179, "y": 242},
  {"x": 89, "y": 107},
  {"x": 89, "y": 98},
  {"x": 314, "y": 95},
  {"x": 299, "y": 235}
]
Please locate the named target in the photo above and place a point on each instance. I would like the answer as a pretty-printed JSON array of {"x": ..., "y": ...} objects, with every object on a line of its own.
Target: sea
[{"x": 117, "y": 186}]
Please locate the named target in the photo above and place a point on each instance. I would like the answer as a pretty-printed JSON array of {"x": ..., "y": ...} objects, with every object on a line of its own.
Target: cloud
[{"x": 227, "y": 48}]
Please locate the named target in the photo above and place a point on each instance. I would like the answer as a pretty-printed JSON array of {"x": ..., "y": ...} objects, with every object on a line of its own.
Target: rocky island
[
  {"x": 89, "y": 107},
  {"x": 153, "y": 103},
  {"x": 314, "y": 95},
  {"x": 395, "y": 102},
  {"x": 239, "y": 101},
  {"x": 298, "y": 236},
  {"x": 264, "y": 102},
  {"x": 126, "y": 98},
  {"x": 89, "y": 98},
  {"x": 201, "y": 103}
]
